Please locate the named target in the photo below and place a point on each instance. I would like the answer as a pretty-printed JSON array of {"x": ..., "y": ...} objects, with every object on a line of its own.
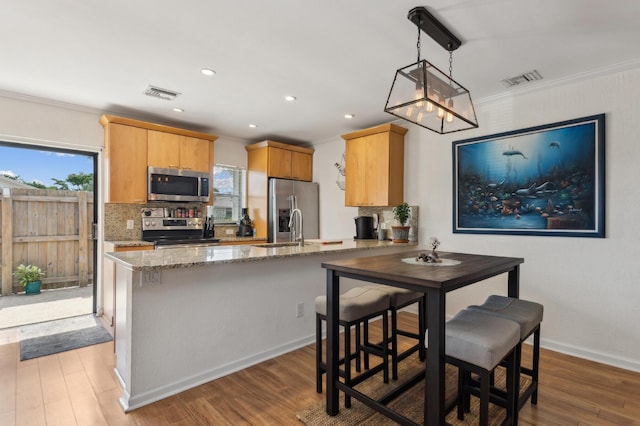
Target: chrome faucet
[{"x": 300, "y": 239}]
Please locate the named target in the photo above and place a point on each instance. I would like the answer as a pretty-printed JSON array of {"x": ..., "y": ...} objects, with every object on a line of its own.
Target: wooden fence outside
[{"x": 50, "y": 229}]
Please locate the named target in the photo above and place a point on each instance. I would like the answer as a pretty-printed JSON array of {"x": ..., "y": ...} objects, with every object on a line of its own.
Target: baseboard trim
[
  {"x": 603, "y": 358},
  {"x": 130, "y": 403}
]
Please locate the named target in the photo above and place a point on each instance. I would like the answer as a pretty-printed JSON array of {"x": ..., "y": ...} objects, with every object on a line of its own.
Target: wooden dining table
[{"x": 457, "y": 270}]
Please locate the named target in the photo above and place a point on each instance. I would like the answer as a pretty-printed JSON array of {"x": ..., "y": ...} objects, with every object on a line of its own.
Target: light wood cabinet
[
  {"x": 272, "y": 159},
  {"x": 178, "y": 152},
  {"x": 301, "y": 166},
  {"x": 374, "y": 166},
  {"x": 288, "y": 164},
  {"x": 131, "y": 146},
  {"x": 125, "y": 164}
]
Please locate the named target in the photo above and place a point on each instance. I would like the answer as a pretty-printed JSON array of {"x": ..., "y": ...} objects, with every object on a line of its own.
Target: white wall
[
  {"x": 336, "y": 220},
  {"x": 589, "y": 287},
  {"x": 230, "y": 152}
]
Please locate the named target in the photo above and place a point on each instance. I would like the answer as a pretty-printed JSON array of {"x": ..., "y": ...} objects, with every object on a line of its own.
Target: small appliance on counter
[
  {"x": 364, "y": 228},
  {"x": 245, "y": 227},
  {"x": 208, "y": 230}
]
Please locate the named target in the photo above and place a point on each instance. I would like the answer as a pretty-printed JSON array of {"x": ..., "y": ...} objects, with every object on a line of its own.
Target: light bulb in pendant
[
  {"x": 428, "y": 107},
  {"x": 449, "y": 118},
  {"x": 440, "y": 113},
  {"x": 418, "y": 95},
  {"x": 419, "y": 119},
  {"x": 409, "y": 111}
]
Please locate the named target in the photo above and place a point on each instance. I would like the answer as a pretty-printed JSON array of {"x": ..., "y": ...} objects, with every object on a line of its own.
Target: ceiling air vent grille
[
  {"x": 156, "y": 92},
  {"x": 522, "y": 78}
]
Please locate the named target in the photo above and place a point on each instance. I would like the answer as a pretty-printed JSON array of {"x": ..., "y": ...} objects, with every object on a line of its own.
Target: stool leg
[
  {"x": 462, "y": 383},
  {"x": 517, "y": 362},
  {"x": 536, "y": 364},
  {"x": 513, "y": 377},
  {"x": 366, "y": 342},
  {"x": 319, "y": 369},
  {"x": 394, "y": 343},
  {"x": 385, "y": 347},
  {"x": 484, "y": 398},
  {"x": 347, "y": 363},
  {"x": 422, "y": 306},
  {"x": 358, "y": 348}
]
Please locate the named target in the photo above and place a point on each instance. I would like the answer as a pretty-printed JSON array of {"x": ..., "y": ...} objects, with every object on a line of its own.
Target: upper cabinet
[
  {"x": 178, "y": 152},
  {"x": 374, "y": 166},
  {"x": 280, "y": 160},
  {"x": 131, "y": 146},
  {"x": 125, "y": 163}
]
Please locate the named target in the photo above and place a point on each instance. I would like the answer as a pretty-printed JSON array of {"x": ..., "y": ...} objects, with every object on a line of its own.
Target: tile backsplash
[
  {"x": 385, "y": 215},
  {"x": 116, "y": 216}
]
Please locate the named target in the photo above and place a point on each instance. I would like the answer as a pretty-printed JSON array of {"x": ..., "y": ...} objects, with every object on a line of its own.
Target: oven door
[{"x": 177, "y": 185}]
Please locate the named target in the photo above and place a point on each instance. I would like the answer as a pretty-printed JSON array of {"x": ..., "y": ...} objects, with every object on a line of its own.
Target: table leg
[
  {"x": 434, "y": 412},
  {"x": 514, "y": 282},
  {"x": 333, "y": 333}
]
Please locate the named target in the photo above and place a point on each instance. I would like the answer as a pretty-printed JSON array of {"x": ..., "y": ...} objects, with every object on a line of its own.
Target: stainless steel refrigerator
[{"x": 286, "y": 195}]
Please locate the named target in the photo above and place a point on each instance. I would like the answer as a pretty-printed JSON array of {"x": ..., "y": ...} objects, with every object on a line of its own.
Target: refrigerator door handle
[{"x": 293, "y": 204}]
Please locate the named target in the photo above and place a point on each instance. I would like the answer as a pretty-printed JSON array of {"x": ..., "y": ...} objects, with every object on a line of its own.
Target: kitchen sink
[{"x": 275, "y": 245}]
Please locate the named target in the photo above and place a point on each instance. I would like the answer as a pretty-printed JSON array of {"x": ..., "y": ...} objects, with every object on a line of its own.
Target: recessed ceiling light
[
  {"x": 253, "y": 126},
  {"x": 178, "y": 109},
  {"x": 349, "y": 116},
  {"x": 289, "y": 98},
  {"x": 208, "y": 72}
]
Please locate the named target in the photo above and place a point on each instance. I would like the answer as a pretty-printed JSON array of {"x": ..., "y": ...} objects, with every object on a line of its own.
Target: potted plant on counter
[
  {"x": 401, "y": 213},
  {"x": 30, "y": 278}
]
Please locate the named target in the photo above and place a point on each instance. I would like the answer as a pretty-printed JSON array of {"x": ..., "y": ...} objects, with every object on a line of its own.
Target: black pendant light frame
[{"x": 431, "y": 89}]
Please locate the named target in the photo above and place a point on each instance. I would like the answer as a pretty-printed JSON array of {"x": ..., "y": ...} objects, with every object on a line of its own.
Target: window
[{"x": 229, "y": 185}]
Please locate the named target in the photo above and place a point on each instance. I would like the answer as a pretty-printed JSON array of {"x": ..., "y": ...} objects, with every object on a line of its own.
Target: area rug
[
  {"x": 71, "y": 333},
  {"x": 409, "y": 404}
]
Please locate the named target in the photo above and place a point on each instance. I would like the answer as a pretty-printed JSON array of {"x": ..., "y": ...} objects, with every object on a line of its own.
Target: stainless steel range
[{"x": 171, "y": 232}]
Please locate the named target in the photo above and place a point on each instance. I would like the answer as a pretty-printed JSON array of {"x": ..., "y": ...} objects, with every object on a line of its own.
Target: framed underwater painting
[{"x": 546, "y": 180}]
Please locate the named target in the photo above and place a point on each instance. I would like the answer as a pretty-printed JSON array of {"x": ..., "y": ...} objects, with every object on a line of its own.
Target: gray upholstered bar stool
[
  {"x": 529, "y": 316},
  {"x": 400, "y": 298},
  {"x": 478, "y": 343},
  {"x": 357, "y": 306}
]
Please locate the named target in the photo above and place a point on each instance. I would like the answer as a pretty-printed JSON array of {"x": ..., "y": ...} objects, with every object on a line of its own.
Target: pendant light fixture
[{"x": 424, "y": 95}]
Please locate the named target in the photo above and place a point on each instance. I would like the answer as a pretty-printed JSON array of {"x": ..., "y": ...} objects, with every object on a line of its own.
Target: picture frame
[{"x": 545, "y": 180}]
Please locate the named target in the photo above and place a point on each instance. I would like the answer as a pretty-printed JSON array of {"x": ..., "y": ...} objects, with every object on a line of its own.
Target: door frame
[{"x": 95, "y": 153}]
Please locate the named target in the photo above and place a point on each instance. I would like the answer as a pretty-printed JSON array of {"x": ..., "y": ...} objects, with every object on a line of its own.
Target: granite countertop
[
  {"x": 130, "y": 243},
  {"x": 240, "y": 239},
  {"x": 141, "y": 243},
  {"x": 182, "y": 257}
]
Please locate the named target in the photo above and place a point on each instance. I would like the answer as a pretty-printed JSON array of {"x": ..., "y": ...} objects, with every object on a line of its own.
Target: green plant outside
[
  {"x": 401, "y": 213},
  {"x": 27, "y": 274}
]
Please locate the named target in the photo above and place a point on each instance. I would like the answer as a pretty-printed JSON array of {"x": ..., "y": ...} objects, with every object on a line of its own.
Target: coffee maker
[
  {"x": 364, "y": 228},
  {"x": 245, "y": 227}
]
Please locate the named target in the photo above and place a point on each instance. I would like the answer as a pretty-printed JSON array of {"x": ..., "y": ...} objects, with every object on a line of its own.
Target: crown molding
[{"x": 575, "y": 78}]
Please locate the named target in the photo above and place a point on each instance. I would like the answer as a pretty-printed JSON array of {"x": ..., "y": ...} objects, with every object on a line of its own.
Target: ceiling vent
[
  {"x": 156, "y": 92},
  {"x": 522, "y": 78}
]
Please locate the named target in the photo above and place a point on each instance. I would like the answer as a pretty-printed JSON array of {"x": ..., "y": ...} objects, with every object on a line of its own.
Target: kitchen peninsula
[{"x": 190, "y": 315}]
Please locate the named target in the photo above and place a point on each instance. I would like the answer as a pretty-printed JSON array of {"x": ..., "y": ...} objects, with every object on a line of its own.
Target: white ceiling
[{"x": 335, "y": 56}]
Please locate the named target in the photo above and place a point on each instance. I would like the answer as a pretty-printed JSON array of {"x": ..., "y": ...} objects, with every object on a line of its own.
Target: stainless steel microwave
[{"x": 177, "y": 185}]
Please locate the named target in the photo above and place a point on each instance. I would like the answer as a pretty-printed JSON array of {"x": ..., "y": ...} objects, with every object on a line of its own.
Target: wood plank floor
[{"x": 79, "y": 388}]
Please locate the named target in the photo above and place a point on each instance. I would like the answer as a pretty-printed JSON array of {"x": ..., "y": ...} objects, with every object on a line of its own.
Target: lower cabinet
[{"x": 109, "y": 281}]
